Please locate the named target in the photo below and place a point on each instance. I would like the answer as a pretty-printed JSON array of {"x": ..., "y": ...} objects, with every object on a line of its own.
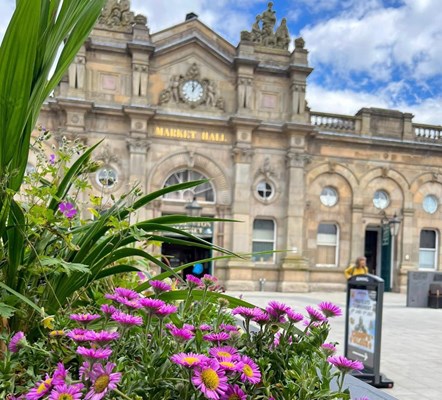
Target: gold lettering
[{"x": 159, "y": 131}]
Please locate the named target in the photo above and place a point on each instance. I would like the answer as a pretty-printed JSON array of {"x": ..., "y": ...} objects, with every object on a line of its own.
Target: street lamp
[
  {"x": 394, "y": 224},
  {"x": 193, "y": 208}
]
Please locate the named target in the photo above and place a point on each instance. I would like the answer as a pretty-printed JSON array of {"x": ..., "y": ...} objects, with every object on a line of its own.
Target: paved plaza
[{"x": 411, "y": 348}]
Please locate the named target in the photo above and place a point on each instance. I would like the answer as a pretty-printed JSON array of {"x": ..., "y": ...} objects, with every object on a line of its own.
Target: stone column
[
  {"x": 357, "y": 233},
  {"x": 408, "y": 252},
  {"x": 77, "y": 75}
]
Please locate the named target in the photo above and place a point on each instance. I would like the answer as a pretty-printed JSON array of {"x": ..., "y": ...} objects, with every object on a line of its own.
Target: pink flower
[
  {"x": 103, "y": 381},
  {"x": 217, "y": 337},
  {"x": 181, "y": 334},
  {"x": 17, "y": 342},
  {"x": 328, "y": 349},
  {"x": 344, "y": 364},
  {"x": 159, "y": 286},
  {"x": 210, "y": 379},
  {"x": 234, "y": 393},
  {"x": 315, "y": 315},
  {"x": 84, "y": 319},
  {"x": 102, "y": 337},
  {"x": 108, "y": 309},
  {"x": 165, "y": 310},
  {"x": 205, "y": 327},
  {"x": 152, "y": 305},
  {"x": 60, "y": 374},
  {"x": 189, "y": 360},
  {"x": 63, "y": 392},
  {"x": 245, "y": 312},
  {"x": 85, "y": 370},
  {"x": 126, "y": 319},
  {"x": 330, "y": 309},
  {"x": 41, "y": 389},
  {"x": 193, "y": 281},
  {"x": 209, "y": 280},
  {"x": 95, "y": 354},
  {"x": 228, "y": 327},
  {"x": 277, "y": 310},
  {"x": 67, "y": 209},
  {"x": 52, "y": 159},
  {"x": 129, "y": 303},
  {"x": 79, "y": 335},
  {"x": 123, "y": 292},
  {"x": 261, "y": 317},
  {"x": 294, "y": 316},
  {"x": 225, "y": 352},
  {"x": 249, "y": 370}
]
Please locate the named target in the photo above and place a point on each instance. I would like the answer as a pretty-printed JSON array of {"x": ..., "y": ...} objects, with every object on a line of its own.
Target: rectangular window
[
  {"x": 327, "y": 245},
  {"x": 428, "y": 249},
  {"x": 263, "y": 239}
]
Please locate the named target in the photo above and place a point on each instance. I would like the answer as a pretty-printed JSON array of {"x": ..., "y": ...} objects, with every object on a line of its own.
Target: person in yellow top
[{"x": 360, "y": 268}]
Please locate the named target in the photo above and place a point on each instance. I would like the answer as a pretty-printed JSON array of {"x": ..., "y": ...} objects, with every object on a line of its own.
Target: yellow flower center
[
  {"x": 56, "y": 333},
  {"x": 210, "y": 378},
  {"x": 44, "y": 385},
  {"x": 227, "y": 364},
  {"x": 224, "y": 354},
  {"x": 190, "y": 360},
  {"x": 101, "y": 383},
  {"x": 247, "y": 370},
  {"x": 233, "y": 396},
  {"x": 65, "y": 396}
]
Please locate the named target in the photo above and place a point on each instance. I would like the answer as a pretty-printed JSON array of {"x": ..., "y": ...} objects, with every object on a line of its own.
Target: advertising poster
[{"x": 362, "y": 325}]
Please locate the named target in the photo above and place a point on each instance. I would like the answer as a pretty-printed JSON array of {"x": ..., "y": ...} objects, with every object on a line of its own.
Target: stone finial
[
  {"x": 116, "y": 16},
  {"x": 140, "y": 19},
  {"x": 299, "y": 43}
]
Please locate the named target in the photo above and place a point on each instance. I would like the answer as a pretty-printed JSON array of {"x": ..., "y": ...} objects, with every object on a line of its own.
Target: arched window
[{"x": 202, "y": 193}]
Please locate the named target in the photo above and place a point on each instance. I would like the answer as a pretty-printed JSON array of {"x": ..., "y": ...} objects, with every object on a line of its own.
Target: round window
[
  {"x": 264, "y": 190},
  {"x": 381, "y": 199},
  {"x": 107, "y": 177},
  {"x": 430, "y": 204},
  {"x": 329, "y": 196}
]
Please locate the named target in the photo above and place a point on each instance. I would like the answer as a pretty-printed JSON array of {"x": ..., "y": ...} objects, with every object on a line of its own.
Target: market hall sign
[{"x": 190, "y": 134}]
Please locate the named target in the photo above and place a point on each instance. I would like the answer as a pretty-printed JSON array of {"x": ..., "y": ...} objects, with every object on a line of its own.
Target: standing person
[{"x": 360, "y": 268}]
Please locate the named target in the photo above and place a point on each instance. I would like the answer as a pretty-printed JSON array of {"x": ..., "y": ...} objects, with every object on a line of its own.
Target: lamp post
[
  {"x": 394, "y": 224},
  {"x": 193, "y": 208}
]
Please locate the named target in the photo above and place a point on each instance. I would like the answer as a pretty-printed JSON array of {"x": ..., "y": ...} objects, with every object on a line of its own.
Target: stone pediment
[{"x": 193, "y": 32}]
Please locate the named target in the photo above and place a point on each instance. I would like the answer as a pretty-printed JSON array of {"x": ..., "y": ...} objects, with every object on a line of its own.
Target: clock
[{"x": 192, "y": 91}]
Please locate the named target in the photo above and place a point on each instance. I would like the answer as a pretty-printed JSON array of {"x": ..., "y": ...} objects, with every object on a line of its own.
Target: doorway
[
  {"x": 178, "y": 254},
  {"x": 377, "y": 250}
]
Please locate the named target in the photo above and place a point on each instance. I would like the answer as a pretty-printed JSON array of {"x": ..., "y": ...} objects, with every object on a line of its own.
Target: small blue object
[{"x": 197, "y": 269}]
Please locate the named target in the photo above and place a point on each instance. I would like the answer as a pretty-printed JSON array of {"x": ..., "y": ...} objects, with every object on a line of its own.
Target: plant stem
[{"x": 122, "y": 394}]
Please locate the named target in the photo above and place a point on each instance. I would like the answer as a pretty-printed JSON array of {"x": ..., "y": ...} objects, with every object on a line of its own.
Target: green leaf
[
  {"x": 64, "y": 266},
  {"x": 6, "y": 311},
  {"x": 22, "y": 298}
]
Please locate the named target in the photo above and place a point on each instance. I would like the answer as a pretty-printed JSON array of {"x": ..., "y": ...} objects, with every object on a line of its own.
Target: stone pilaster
[{"x": 357, "y": 234}]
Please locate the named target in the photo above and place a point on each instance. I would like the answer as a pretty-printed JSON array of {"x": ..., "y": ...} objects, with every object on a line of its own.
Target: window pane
[
  {"x": 263, "y": 229},
  {"x": 426, "y": 258},
  {"x": 330, "y": 229},
  {"x": 326, "y": 255},
  {"x": 428, "y": 239},
  {"x": 262, "y": 246}
]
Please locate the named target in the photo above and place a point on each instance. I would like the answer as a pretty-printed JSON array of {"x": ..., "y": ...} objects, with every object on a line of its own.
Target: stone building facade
[{"x": 184, "y": 103}]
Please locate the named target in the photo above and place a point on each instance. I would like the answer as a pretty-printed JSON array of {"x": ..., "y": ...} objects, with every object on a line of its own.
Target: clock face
[{"x": 192, "y": 91}]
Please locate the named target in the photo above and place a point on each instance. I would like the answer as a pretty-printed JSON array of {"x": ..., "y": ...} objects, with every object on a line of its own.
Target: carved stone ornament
[
  {"x": 299, "y": 43},
  {"x": 297, "y": 160},
  {"x": 267, "y": 171},
  {"x": 263, "y": 32},
  {"x": 116, "y": 16},
  {"x": 107, "y": 156},
  {"x": 192, "y": 90},
  {"x": 138, "y": 146}
]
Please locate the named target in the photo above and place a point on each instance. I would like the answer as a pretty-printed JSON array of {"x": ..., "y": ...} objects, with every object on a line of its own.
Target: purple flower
[
  {"x": 205, "y": 327},
  {"x": 189, "y": 360},
  {"x": 261, "y": 317},
  {"x": 209, "y": 280},
  {"x": 181, "y": 334},
  {"x": 62, "y": 392},
  {"x": 225, "y": 352},
  {"x": 17, "y": 342},
  {"x": 79, "y": 335},
  {"x": 67, "y": 209},
  {"x": 217, "y": 337},
  {"x": 330, "y": 309},
  {"x": 193, "y": 281},
  {"x": 249, "y": 370},
  {"x": 126, "y": 319},
  {"x": 159, "y": 286},
  {"x": 94, "y": 354},
  {"x": 127, "y": 293},
  {"x": 52, "y": 159},
  {"x": 60, "y": 374},
  {"x": 277, "y": 310},
  {"x": 328, "y": 349},
  {"x": 40, "y": 390},
  {"x": 210, "y": 379},
  {"x": 245, "y": 312},
  {"x": 102, "y": 337},
  {"x": 294, "y": 316},
  {"x": 103, "y": 381},
  {"x": 165, "y": 310},
  {"x": 315, "y": 315},
  {"x": 151, "y": 305},
  {"x": 84, "y": 319},
  {"x": 344, "y": 364},
  {"x": 129, "y": 303},
  {"x": 228, "y": 327},
  {"x": 234, "y": 392},
  {"x": 108, "y": 309}
]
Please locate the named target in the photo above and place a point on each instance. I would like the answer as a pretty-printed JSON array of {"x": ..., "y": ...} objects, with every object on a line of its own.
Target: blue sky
[{"x": 366, "y": 53}]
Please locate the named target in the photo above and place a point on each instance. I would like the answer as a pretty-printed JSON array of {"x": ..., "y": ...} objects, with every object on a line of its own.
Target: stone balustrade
[
  {"x": 346, "y": 123},
  {"x": 427, "y": 132}
]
